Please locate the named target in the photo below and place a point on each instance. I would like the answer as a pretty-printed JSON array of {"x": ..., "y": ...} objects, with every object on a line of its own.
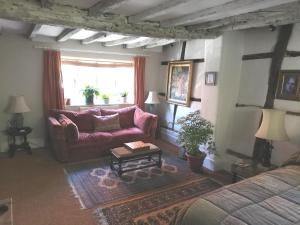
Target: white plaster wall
[
  {"x": 253, "y": 89},
  {"x": 21, "y": 72}
]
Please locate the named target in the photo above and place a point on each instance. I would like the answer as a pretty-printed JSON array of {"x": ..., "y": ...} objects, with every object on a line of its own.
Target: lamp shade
[
  {"x": 17, "y": 104},
  {"x": 272, "y": 126},
  {"x": 152, "y": 98}
]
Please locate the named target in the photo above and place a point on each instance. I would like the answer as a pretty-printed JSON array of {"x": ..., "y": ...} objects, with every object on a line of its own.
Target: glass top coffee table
[{"x": 119, "y": 158}]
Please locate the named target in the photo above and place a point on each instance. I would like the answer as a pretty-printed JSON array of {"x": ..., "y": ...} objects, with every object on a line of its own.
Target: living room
[{"x": 236, "y": 71}]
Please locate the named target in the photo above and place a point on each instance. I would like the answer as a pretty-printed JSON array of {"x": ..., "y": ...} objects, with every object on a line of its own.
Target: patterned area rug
[
  {"x": 94, "y": 183},
  {"x": 157, "y": 208}
]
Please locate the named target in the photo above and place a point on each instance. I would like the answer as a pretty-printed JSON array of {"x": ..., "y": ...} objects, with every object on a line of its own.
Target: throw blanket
[{"x": 272, "y": 198}]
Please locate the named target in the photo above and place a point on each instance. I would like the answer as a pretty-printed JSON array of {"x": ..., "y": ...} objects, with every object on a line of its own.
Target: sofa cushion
[
  {"x": 83, "y": 119},
  {"x": 127, "y": 135},
  {"x": 72, "y": 133},
  {"x": 143, "y": 120},
  {"x": 126, "y": 115},
  {"x": 107, "y": 123},
  {"x": 92, "y": 139}
]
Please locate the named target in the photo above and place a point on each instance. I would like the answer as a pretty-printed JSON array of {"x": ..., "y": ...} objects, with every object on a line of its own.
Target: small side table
[
  {"x": 246, "y": 170},
  {"x": 12, "y": 133}
]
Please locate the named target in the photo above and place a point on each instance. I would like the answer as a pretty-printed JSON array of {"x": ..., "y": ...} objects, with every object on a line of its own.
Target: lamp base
[
  {"x": 267, "y": 152},
  {"x": 17, "y": 120}
]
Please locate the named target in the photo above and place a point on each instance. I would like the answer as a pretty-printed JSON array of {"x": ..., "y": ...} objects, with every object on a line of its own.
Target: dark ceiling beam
[
  {"x": 67, "y": 34},
  {"x": 104, "y": 6}
]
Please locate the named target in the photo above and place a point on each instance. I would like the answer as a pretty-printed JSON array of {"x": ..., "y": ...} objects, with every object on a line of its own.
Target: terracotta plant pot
[{"x": 195, "y": 162}]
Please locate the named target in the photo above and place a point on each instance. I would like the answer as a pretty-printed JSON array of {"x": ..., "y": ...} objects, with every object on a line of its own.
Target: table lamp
[
  {"x": 152, "y": 99},
  {"x": 271, "y": 129},
  {"x": 17, "y": 106}
]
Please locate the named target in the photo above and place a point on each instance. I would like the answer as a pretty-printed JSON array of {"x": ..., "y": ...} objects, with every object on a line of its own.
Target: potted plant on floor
[
  {"x": 124, "y": 96},
  {"x": 89, "y": 92},
  {"x": 195, "y": 131},
  {"x": 105, "y": 98}
]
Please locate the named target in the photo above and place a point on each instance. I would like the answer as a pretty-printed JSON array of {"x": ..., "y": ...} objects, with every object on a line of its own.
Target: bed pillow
[
  {"x": 72, "y": 133},
  {"x": 107, "y": 123}
]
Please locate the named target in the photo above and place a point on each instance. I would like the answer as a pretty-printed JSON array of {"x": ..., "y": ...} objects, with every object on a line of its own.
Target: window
[{"x": 111, "y": 78}]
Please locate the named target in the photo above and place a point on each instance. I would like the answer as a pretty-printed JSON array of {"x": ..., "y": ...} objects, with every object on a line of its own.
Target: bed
[{"x": 272, "y": 198}]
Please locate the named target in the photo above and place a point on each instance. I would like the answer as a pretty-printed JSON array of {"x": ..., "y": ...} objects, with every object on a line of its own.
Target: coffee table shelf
[{"x": 120, "y": 156}]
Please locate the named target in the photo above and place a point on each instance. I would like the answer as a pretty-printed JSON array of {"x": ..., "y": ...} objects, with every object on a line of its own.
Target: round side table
[{"x": 22, "y": 132}]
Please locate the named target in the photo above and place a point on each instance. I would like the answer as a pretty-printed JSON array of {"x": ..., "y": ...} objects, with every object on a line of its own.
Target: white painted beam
[
  {"x": 233, "y": 8},
  {"x": 67, "y": 34},
  {"x": 141, "y": 43},
  {"x": 104, "y": 6},
  {"x": 62, "y": 15},
  {"x": 119, "y": 41},
  {"x": 275, "y": 16},
  {"x": 94, "y": 38},
  {"x": 160, "y": 43},
  {"x": 34, "y": 30},
  {"x": 159, "y": 10}
]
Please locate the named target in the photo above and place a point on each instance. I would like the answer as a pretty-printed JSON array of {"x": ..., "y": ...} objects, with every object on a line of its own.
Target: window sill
[{"x": 111, "y": 105}]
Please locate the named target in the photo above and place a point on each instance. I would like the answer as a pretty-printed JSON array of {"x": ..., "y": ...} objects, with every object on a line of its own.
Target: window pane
[{"x": 109, "y": 80}]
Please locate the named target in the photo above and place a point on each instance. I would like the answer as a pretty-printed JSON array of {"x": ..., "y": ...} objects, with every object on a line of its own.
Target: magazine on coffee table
[{"x": 137, "y": 146}]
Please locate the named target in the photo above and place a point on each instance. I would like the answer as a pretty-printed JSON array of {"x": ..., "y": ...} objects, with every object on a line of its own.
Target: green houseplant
[
  {"x": 89, "y": 92},
  {"x": 195, "y": 131},
  {"x": 124, "y": 95},
  {"x": 105, "y": 98}
]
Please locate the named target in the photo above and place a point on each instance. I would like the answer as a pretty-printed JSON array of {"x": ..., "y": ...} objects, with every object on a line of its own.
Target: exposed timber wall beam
[
  {"x": 233, "y": 8},
  {"x": 34, "y": 30},
  {"x": 157, "y": 10},
  {"x": 67, "y": 34},
  {"x": 94, "y": 38},
  {"x": 165, "y": 63},
  {"x": 31, "y": 11},
  {"x": 275, "y": 16},
  {"x": 260, "y": 107},
  {"x": 119, "y": 41},
  {"x": 268, "y": 55},
  {"x": 104, "y": 6}
]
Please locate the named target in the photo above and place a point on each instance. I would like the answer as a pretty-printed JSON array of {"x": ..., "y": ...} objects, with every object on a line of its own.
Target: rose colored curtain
[
  {"x": 139, "y": 73},
  {"x": 53, "y": 93}
]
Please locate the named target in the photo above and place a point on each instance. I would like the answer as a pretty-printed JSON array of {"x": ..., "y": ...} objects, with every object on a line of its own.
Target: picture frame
[
  {"x": 211, "y": 78},
  {"x": 179, "y": 82},
  {"x": 288, "y": 86}
]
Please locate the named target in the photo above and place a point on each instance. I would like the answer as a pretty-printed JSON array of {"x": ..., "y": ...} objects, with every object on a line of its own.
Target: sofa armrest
[{"x": 58, "y": 140}]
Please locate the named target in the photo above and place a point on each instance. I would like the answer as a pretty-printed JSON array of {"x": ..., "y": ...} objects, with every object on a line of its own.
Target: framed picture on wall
[
  {"x": 288, "y": 87},
  {"x": 211, "y": 78},
  {"x": 179, "y": 82}
]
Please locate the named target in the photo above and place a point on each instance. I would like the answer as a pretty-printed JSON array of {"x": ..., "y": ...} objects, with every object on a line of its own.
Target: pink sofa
[{"x": 74, "y": 138}]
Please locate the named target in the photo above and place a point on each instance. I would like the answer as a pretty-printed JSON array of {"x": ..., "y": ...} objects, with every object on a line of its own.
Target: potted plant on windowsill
[
  {"x": 195, "y": 131},
  {"x": 105, "y": 98},
  {"x": 89, "y": 92},
  {"x": 124, "y": 95}
]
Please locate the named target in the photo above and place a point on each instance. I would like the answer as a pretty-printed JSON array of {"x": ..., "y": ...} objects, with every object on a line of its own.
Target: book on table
[{"x": 137, "y": 146}]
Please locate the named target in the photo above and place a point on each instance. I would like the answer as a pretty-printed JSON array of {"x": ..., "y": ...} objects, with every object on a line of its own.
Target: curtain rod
[{"x": 87, "y": 51}]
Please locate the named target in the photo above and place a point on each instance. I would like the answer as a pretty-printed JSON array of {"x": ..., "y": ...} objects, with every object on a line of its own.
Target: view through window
[{"x": 110, "y": 78}]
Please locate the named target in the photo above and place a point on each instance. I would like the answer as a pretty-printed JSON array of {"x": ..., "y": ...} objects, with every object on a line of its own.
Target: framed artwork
[
  {"x": 179, "y": 82},
  {"x": 288, "y": 87},
  {"x": 211, "y": 78}
]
